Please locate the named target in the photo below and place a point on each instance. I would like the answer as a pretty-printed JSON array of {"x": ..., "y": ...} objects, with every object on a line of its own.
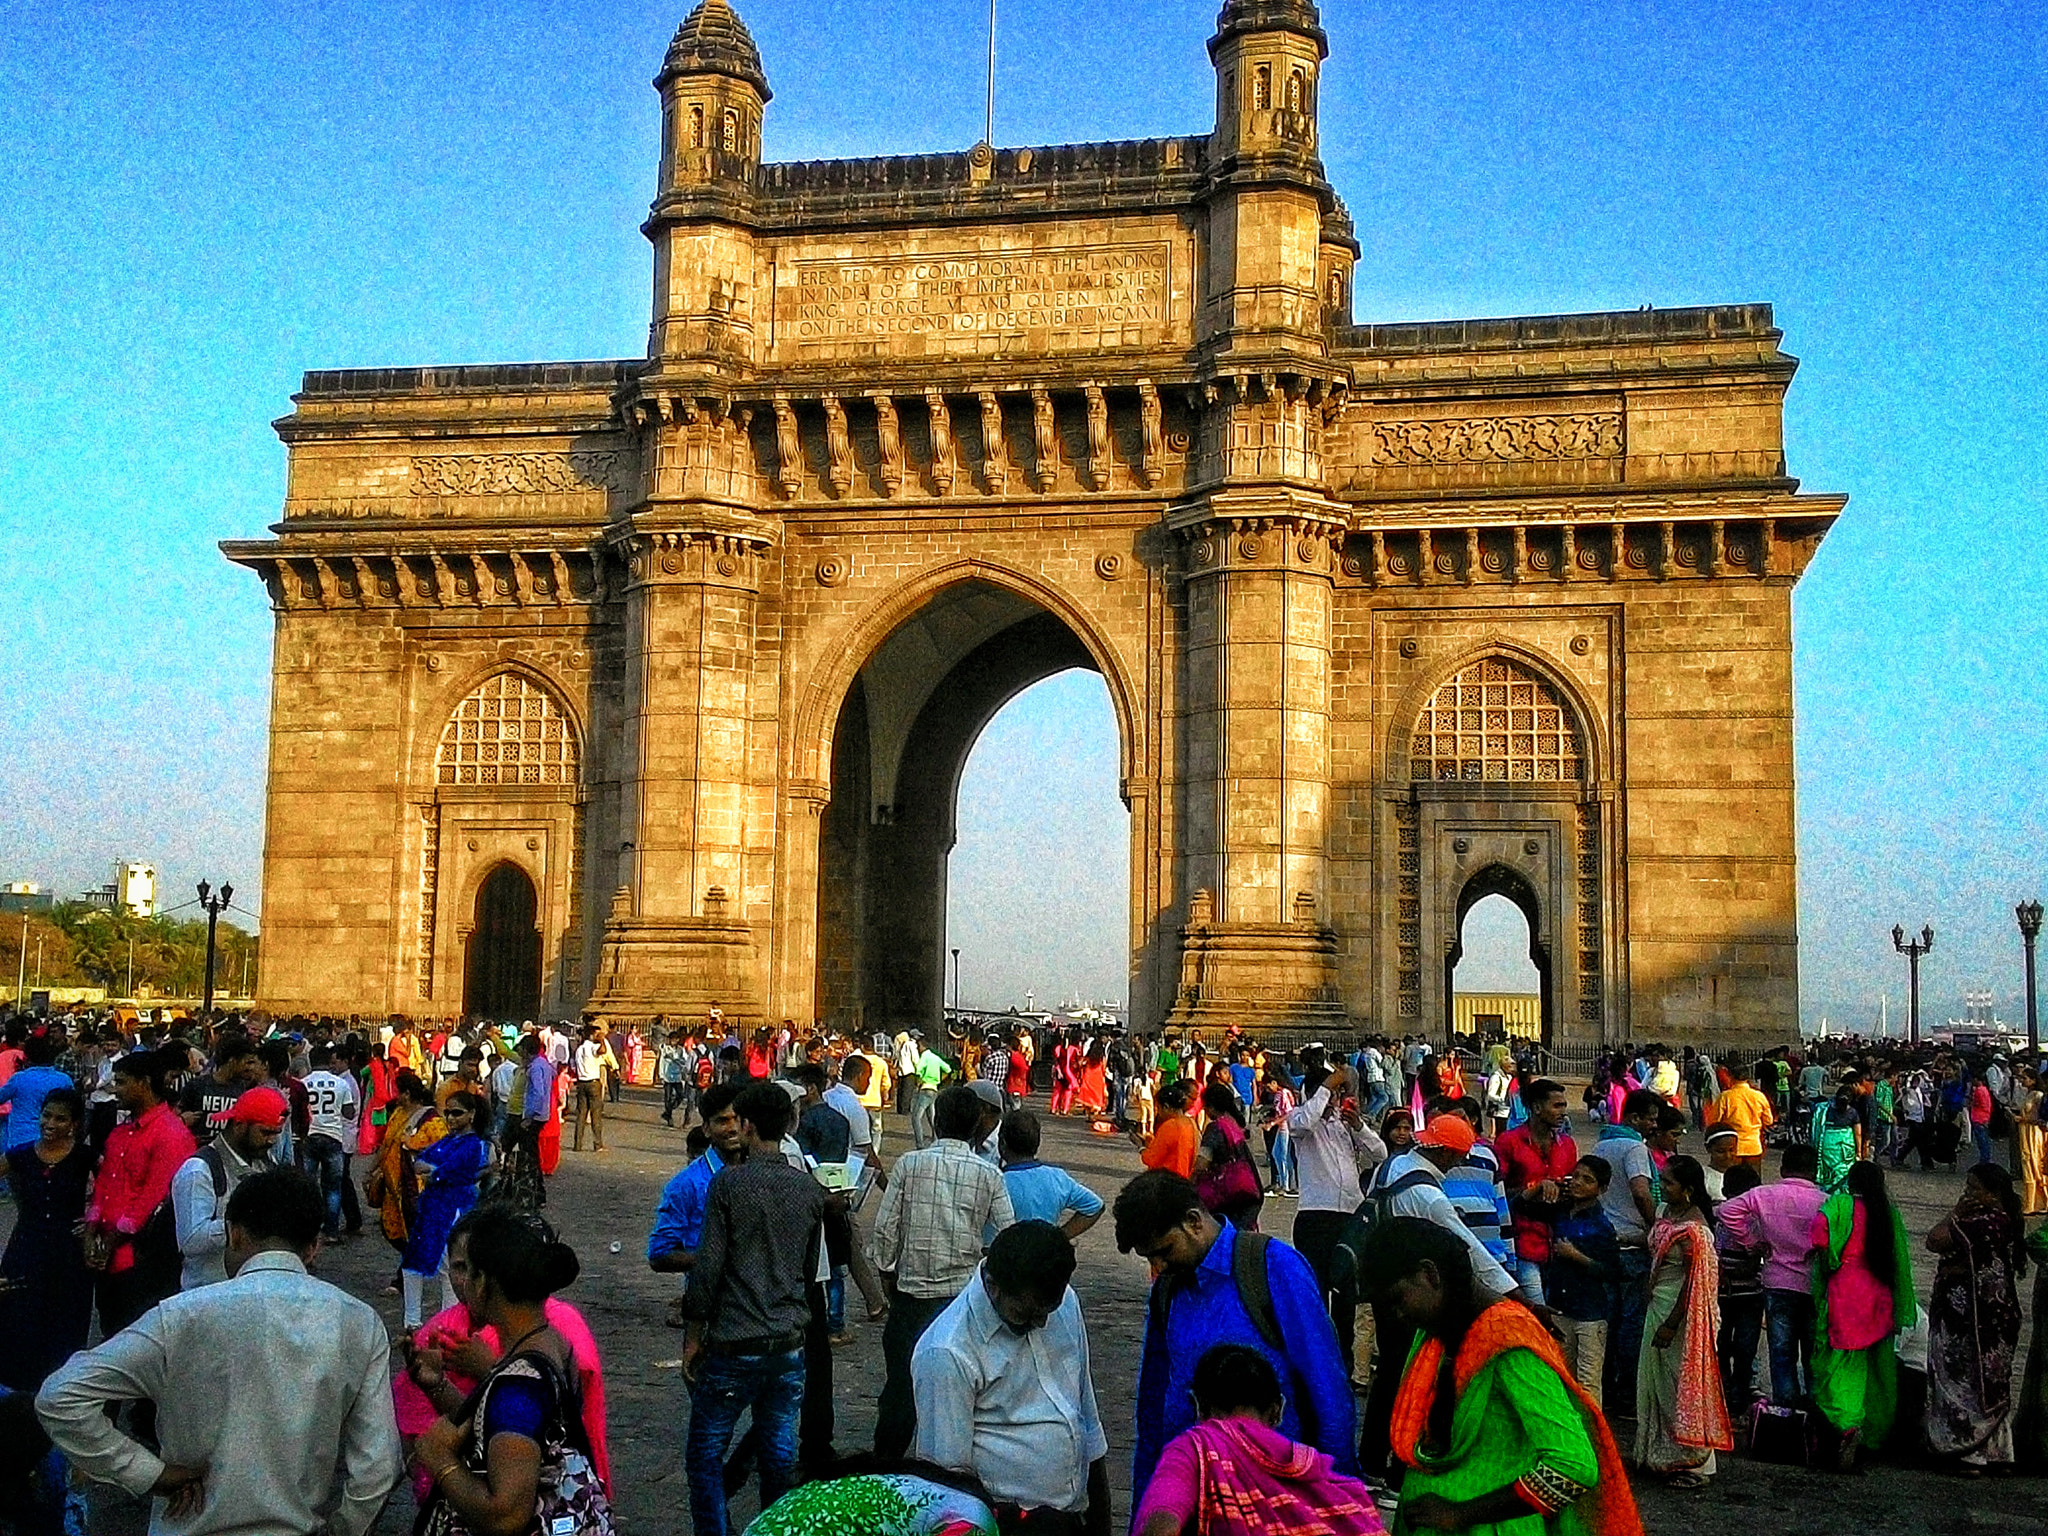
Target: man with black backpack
[
  {"x": 1215, "y": 1285},
  {"x": 200, "y": 1189}
]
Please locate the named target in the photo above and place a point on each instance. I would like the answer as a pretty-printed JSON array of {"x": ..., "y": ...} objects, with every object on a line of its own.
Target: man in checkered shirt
[{"x": 927, "y": 1245}]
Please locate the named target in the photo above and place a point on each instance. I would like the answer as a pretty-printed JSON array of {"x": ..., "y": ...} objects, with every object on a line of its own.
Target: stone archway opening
[
  {"x": 1496, "y": 907},
  {"x": 501, "y": 970},
  {"x": 905, "y": 730}
]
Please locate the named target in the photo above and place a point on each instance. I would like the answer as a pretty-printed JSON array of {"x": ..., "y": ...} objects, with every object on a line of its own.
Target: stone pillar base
[
  {"x": 1275, "y": 981},
  {"x": 680, "y": 967}
]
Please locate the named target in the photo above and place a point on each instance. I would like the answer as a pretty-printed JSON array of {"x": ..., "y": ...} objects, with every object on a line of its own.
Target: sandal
[{"x": 1687, "y": 1480}]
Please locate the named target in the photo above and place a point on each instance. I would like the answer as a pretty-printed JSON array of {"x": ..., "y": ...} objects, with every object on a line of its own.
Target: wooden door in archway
[{"x": 502, "y": 967}]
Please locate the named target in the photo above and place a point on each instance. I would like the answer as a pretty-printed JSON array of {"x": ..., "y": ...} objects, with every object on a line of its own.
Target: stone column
[
  {"x": 1256, "y": 701},
  {"x": 680, "y": 936}
]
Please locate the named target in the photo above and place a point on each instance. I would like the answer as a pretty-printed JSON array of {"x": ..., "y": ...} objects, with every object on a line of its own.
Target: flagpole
[{"x": 991, "y": 139}]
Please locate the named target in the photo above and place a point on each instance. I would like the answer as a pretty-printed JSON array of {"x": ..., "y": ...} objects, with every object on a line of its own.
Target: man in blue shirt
[
  {"x": 1160, "y": 1218},
  {"x": 1039, "y": 1191},
  {"x": 25, "y": 1091},
  {"x": 679, "y": 1219}
]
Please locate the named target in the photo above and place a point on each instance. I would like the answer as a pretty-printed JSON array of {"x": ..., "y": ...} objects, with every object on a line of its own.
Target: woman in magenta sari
[
  {"x": 1235, "y": 1474},
  {"x": 1863, "y": 1295}
]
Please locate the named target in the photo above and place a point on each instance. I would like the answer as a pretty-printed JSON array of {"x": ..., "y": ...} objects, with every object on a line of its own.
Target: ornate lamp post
[
  {"x": 956, "y": 983},
  {"x": 214, "y": 905},
  {"x": 1913, "y": 949},
  {"x": 2029, "y": 914}
]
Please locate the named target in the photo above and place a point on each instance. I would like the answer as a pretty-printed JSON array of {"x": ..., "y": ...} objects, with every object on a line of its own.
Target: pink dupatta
[
  {"x": 416, "y": 1413},
  {"x": 1257, "y": 1482},
  {"x": 1702, "y": 1411}
]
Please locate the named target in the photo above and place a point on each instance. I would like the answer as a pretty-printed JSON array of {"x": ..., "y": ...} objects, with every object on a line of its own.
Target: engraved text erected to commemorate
[{"x": 968, "y": 296}]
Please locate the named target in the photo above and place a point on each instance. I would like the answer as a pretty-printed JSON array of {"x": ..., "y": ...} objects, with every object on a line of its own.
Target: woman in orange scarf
[
  {"x": 1497, "y": 1437},
  {"x": 1681, "y": 1415}
]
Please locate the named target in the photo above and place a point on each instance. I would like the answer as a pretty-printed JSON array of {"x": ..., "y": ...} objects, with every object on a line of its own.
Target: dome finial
[{"x": 714, "y": 41}]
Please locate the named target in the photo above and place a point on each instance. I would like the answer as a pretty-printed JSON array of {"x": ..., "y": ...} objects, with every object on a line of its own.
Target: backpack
[
  {"x": 706, "y": 1070},
  {"x": 1254, "y": 1291}
]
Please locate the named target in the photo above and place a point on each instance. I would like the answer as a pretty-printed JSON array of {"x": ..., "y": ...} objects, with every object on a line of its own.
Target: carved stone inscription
[
  {"x": 522, "y": 474},
  {"x": 1498, "y": 439},
  {"x": 968, "y": 296}
]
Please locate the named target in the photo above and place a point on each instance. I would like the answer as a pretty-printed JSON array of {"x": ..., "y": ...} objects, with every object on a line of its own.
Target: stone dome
[
  {"x": 714, "y": 41},
  {"x": 1270, "y": 16}
]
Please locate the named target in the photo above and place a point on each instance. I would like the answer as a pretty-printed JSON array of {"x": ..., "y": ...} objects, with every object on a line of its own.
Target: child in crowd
[{"x": 1585, "y": 1262}]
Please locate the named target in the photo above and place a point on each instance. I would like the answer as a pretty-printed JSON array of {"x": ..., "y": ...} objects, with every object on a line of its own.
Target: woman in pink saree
[
  {"x": 1682, "y": 1415},
  {"x": 1235, "y": 1474},
  {"x": 465, "y": 1354}
]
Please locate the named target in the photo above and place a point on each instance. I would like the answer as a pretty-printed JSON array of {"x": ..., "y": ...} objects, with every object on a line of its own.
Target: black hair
[
  {"x": 1398, "y": 1248},
  {"x": 1599, "y": 1167},
  {"x": 276, "y": 1057},
  {"x": 518, "y": 1253},
  {"x": 155, "y": 1068},
  {"x": 473, "y": 1102},
  {"x": 1798, "y": 1161},
  {"x": 232, "y": 1046},
  {"x": 1232, "y": 1377},
  {"x": 696, "y": 1142},
  {"x": 1152, "y": 1205},
  {"x": 852, "y": 1066},
  {"x": 409, "y": 1086},
  {"x": 320, "y": 1055},
  {"x": 279, "y": 1204},
  {"x": 1021, "y": 1134},
  {"x": 957, "y": 1114},
  {"x": 40, "y": 1049},
  {"x": 1880, "y": 1238},
  {"x": 1640, "y": 1102},
  {"x": 1220, "y": 1099},
  {"x": 718, "y": 1098},
  {"x": 1542, "y": 1091},
  {"x": 766, "y": 1108},
  {"x": 1998, "y": 1183},
  {"x": 1032, "y": 1258},
  {"x": 1670, "y": 1118},
  {"x": 811, "y": 1075},
  {"x": 1739, "y": 1180},
  {"x": 1175, "y": 1095},
  {"x": 1687, "y": 1171},
  {"x": 67, "y": 1098}
]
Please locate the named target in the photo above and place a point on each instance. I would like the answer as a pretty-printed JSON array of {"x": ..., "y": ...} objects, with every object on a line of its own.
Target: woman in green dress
[
  {"x": 1862, "y": 1297},
  {"x": 1496, "y": 1436},
  {"x": 1838, "y": 1135}
]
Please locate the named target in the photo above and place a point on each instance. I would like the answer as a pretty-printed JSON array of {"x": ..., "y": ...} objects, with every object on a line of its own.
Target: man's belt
[{"x": 776, "y": 1344}]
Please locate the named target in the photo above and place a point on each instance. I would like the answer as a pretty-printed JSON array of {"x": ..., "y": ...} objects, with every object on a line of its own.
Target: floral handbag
[{"x": 570, "y": 1499}]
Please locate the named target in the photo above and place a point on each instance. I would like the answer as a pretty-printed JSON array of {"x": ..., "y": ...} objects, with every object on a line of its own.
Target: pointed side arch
[
  {"x": 810, "y": 760},
  {"x": 1423, "y": 721}
]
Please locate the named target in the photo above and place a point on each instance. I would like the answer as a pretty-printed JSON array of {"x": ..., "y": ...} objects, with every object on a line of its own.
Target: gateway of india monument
[{"x": 629, "y": 687}]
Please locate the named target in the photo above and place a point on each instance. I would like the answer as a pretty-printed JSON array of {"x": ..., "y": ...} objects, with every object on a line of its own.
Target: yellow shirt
[{"x": 1748, "y": 1112}]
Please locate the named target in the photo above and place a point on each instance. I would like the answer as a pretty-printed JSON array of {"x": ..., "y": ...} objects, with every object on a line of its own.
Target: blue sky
[{"x": 198, "y": 201}]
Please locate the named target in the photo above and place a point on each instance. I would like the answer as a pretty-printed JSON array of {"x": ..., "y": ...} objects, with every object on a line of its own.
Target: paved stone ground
[{"x": 601, "y": 1200}]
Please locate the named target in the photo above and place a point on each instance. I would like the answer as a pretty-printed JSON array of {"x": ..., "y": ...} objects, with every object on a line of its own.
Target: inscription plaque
[{"x": 1048, "y": 295}]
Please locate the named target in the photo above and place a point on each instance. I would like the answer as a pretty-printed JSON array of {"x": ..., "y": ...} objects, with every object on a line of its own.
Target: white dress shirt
[
  {"x": 842, "y": 1098},
  {"x": 1331, "y": 1155},
  {"x": 278, "y": 1384},
  {"x": 1016, "y": 1410}
]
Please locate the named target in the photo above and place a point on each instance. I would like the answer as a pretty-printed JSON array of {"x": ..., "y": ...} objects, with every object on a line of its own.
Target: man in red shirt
[{"x": 1536, "y": 1159}]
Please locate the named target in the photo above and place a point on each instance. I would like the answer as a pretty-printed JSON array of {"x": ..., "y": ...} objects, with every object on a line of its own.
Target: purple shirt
[{"x": 1779, "y": 1219}]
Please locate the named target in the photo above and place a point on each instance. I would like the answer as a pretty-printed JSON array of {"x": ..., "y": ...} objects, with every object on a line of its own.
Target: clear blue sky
[{"x": 198, "y": 201}]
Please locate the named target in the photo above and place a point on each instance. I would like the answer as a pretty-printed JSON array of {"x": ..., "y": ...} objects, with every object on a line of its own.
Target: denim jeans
[
  {"x": 1529, "y": 1275},
  {"x": 726, "y": 1387},
  {"x": 835, "y": 1299},
  {"x": 1981, "y": 1136},
  {"x": 327, "y": 1163},
  {"x": 1281, "y": 1155},
  {"x": 1789, "y": 1317},
  {"x": 1625, "y": 1338}
]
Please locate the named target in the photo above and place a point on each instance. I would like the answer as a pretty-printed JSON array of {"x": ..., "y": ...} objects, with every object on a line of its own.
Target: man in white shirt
[
  {"x": 590, "y": 1054},
  {"x": 1332, "y": 1146},
  {"x": 272, "y": 1389},
  {"x": 1004, "y": 1390},
  {"x": 333, "y": 1106},
  {"x": 200, "y": 1189},
  {"x": 855, "y": 1073}
]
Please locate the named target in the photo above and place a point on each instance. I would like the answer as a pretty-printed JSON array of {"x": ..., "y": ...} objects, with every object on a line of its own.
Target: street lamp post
[
  {"x": 956, "y": 983},
  {"x": 21, "y": 964},
  {"x": 1913, "y": 949},
  {"x": 214, "y": 905},
  {"x": 2029, "y": 914}
]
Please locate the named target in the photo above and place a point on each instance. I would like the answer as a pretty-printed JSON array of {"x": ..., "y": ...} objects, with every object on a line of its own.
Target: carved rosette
[
  {"x": 693, "y": 557},
  {"x": 1287, "y": 542}
]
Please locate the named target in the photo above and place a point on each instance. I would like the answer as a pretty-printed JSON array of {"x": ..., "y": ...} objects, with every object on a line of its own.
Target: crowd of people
[{"x": 1500, "y": 1297}]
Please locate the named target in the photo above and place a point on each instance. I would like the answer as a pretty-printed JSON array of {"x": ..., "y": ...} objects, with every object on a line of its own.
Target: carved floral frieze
[
  {"x": 524, "y": 473},
  {"x": 1498, "y": 439}
]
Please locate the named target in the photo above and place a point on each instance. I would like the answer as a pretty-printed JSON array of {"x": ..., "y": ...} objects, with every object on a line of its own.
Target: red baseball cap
[{"x": 259, "y": 1106}]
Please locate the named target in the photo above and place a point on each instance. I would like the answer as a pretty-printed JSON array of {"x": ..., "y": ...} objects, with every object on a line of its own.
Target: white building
[{"x": 135, "y": 887}]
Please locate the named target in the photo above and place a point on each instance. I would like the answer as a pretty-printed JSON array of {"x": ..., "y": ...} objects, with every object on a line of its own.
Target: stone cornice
[{"x": 327, "y": 575}]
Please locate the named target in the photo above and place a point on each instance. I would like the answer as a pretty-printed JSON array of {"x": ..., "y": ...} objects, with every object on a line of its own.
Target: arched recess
[
  {"x": 916, "y": 696},
  {"x": 818, "y": 716},
  {"x": 1505, "y": 881},
  {"x": 504, "y": 787},
  {"x": 1496, "y": 759},
  {"x": 502, "y": 957}
]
